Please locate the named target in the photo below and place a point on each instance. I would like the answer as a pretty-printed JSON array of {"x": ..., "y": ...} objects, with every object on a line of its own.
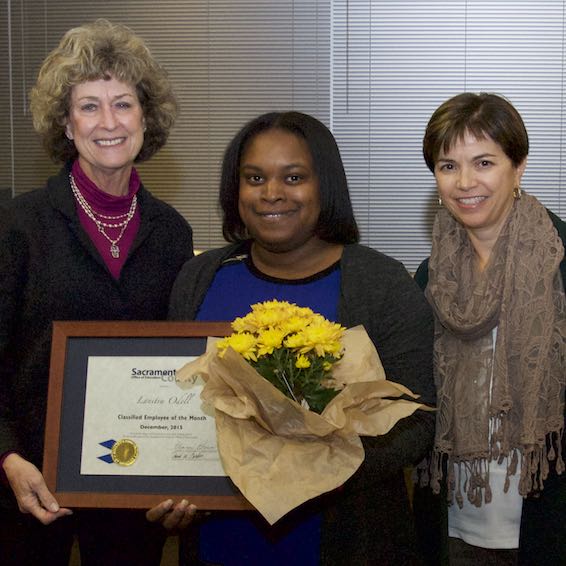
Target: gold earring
[
  {"x": 517, "y": 193},
  {"x": 439, "y": 201}
]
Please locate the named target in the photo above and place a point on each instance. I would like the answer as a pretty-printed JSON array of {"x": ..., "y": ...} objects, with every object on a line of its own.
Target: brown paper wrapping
[{"x": 280, "y": 454}]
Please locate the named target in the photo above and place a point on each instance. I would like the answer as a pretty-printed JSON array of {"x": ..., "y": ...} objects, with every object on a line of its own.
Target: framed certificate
[{"x": 119, "y": 431}]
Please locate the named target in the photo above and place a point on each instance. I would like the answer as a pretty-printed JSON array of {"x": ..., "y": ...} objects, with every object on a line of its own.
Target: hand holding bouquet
[{"x": 269, "y": 381}]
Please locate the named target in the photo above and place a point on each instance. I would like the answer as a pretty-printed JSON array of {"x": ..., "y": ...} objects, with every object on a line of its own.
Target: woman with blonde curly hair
[{"x": 92, "y": 244}]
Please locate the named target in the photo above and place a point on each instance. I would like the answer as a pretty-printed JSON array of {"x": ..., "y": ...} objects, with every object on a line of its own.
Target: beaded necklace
[{"x": 118, "y": 221}]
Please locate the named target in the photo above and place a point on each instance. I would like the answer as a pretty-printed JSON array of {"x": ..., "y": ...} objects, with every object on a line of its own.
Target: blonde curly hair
[{"x": 100, "y": 50}]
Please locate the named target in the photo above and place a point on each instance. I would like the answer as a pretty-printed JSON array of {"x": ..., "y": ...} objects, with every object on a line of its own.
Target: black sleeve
[
  {"x": 13, "y": 267},
  {"x": 399, "y": 321},
  {"x": 421, "y": 276}
]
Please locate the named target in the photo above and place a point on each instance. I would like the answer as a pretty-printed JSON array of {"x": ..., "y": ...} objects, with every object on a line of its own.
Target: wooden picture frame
[{"x": 73, "y": 343}]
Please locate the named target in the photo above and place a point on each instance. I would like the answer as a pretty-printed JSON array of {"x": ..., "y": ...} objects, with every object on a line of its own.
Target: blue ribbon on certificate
[{"x": 107, "y": 457}]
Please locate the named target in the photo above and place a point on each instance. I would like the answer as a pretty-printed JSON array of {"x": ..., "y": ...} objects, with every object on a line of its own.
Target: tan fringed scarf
[{"x": 519, "y": 387}]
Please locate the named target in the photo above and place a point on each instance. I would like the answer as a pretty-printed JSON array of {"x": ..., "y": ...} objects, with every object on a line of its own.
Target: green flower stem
[{"x": 296, "y": 383}]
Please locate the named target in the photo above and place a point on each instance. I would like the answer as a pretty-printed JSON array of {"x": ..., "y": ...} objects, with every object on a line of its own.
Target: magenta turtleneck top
[{"x": 108, "y": 205}]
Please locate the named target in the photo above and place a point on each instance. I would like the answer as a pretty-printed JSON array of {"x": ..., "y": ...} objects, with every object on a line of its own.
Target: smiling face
[
  {"x": 106, "y": 124},
  {"x": 475, "y": 180},
  {"x": 279, "y": 200}
]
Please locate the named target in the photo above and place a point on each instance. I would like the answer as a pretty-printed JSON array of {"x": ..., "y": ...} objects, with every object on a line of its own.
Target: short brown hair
[
  {"x": 481, "y": 115},
  {"x": 95, "y": 51}
]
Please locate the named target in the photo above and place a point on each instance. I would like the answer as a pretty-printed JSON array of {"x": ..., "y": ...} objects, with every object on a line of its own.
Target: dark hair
[
  {"x": 336, "y": 222},
  {"x": 481, "y": 115},
  {"x": 99, "y": 50}
]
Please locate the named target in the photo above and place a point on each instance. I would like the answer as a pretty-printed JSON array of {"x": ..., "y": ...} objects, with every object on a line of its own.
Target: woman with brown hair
[{"x": 495, "y": 280}]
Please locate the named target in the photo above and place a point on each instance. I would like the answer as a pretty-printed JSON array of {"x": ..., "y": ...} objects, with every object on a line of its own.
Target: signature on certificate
[{"x": 196, "y": 451}]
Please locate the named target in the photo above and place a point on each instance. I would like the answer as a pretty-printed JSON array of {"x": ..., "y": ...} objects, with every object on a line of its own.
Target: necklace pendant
[{"x": 115, "y": 251}]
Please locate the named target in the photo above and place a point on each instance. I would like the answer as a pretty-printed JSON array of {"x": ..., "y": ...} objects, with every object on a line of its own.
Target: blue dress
[{"x": 234, "y": 539}]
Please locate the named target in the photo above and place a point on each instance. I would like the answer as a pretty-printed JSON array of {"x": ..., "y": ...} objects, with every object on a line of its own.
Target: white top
[{"x": 495, "y": 524}]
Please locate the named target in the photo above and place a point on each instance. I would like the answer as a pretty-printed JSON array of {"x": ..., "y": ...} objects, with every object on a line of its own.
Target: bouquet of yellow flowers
[
  {"x": 292, "y": 347},
  {"x": 292, "y": 393}
]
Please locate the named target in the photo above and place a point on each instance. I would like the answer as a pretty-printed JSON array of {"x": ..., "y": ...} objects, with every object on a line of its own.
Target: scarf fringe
[{"x": 470, "y": 478}]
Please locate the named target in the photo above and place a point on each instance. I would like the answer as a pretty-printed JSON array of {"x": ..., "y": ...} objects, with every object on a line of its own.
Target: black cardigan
[
  {"x": 50, "y": 270},
  {"x": 542, "y": 537},
  {"x": 369, "y": 520}
]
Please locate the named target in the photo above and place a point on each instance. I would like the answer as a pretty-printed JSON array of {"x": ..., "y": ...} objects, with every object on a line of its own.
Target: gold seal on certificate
[{"x": 124, "y": 452}]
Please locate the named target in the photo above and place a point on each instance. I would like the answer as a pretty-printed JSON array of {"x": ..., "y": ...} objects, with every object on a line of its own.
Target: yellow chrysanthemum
[
  {"x": 244, "y": 344},
  {"x": 274, "y": 334},
  {"x": 268, "y": 318},
  {"x": 269, "y": 340},
  {"x": 278, "y": 314},
  {"x": 323, "y": 337},
  {"x": 272, "y": 305},
  {"x": 293, "y": 324},
  {"x": 305, "y": 313},
  {"x": 302, "y": 362},
  {"x": 295, "y": 341},
  {"x": 244, "y": 324}
]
